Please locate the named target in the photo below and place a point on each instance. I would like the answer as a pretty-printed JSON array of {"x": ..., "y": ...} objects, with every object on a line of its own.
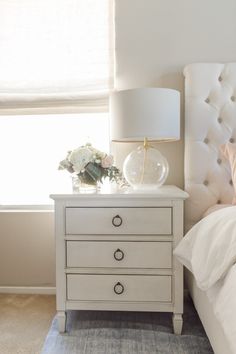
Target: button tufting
[
  {"x": 219, "y": 201},
  {"x": 231, "y": 140},
  {"x": 220, "y": 78},
  {"x": 219, "y": 161},
  {"x": 231, "y": 182},
  {"x": 206, "y": 183},
  {"x": 219, "y": 120},
  {"x": 233, "y": 98},
  {"x": 206, "y": 140},
  {"x": 207, "y": 100}
]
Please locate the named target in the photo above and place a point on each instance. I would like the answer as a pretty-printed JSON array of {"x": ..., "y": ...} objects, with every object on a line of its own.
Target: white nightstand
[{"x": 114, "y": 252}]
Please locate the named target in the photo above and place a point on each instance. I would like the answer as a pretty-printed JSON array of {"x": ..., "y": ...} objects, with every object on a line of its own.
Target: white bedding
[
  {"x": 209, "y": 252},
  {"x": 223, "y": 298},
  {"x": 209, "y": 249}
]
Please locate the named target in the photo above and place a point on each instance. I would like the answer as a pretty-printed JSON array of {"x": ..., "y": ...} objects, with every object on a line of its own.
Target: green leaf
[{"x": 94, "y": 170}]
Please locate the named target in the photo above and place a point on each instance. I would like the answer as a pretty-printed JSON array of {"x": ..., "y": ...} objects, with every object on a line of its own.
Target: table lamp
[{"x": 145, "y": 114}]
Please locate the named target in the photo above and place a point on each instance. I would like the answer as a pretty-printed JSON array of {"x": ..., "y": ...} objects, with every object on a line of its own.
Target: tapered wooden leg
[
  {"x": 61, "y": 321},
  {"x": 177, "y": 320}
]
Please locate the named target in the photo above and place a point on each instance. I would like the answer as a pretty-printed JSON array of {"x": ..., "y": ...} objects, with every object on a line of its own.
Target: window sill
[{"x": 26, "y": 208}]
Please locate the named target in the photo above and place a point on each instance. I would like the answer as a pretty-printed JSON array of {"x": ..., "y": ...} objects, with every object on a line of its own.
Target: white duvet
[
  {"x": 209, "y": 252},
  {"x": 223, "y": 298}
]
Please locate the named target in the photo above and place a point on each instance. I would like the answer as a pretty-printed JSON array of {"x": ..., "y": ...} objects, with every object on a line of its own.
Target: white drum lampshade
[{"x": 145, "y": 114}]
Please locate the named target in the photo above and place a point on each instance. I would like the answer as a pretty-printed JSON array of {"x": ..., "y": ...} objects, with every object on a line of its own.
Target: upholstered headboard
[{"x": 210, "y": 120}]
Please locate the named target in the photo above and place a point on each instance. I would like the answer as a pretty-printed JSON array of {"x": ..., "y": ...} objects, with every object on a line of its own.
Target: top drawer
[{"x": 151, "y": 221}]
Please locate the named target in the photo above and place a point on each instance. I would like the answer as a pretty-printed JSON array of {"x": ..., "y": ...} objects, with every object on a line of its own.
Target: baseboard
[{"x": 27, "y": 290}]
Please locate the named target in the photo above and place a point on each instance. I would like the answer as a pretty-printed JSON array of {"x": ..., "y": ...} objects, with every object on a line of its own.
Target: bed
[{"x": 210, "y": 122}]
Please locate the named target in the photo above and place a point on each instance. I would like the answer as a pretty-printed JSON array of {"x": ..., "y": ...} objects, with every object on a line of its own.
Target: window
[
  {"x": 31, "y": 148},
  {"x": 55, "y": 75}
]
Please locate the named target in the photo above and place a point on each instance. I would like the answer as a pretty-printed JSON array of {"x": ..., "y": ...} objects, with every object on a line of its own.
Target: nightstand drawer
[
  {"x": 118, "y": 287},
  {"x": 119, "y": 254},
  {"x": 136, "y": 221}
]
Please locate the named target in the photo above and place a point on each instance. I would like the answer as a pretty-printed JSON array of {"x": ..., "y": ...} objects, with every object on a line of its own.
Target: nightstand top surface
[{"x": 164, "y": 192}]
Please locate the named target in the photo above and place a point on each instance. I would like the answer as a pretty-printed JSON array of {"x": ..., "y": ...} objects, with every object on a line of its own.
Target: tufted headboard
[{"x": 210, "y": 120}]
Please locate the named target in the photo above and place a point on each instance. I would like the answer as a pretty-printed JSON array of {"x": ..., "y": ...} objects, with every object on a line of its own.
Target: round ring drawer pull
[
  {"x": 119, "y": 288},
  {"x": 116, "y": 221},
  {"x": 118, "y": 255}
]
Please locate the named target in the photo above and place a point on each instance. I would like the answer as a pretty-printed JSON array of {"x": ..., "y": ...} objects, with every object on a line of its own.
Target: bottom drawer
[{"x": 119, "y": 287}]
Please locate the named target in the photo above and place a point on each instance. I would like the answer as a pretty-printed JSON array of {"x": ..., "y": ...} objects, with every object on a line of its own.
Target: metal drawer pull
[
  {"x": 118, "y": 255},
  {"x": 116, "y": 221},
  {"x": 118, "y": 288}
]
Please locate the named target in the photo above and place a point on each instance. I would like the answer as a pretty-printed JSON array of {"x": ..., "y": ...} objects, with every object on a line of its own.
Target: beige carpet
[{"x": 24, "y": 322}]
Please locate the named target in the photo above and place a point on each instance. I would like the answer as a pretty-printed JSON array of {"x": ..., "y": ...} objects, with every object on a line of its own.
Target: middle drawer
[{"x": 86, "y": 254}]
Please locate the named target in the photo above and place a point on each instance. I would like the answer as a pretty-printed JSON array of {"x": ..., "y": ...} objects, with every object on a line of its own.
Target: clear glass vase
[{"x": 79, "y": 186}]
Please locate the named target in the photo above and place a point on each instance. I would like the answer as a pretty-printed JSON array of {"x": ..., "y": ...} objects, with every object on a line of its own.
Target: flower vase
[{"x": 79, "y": 186}]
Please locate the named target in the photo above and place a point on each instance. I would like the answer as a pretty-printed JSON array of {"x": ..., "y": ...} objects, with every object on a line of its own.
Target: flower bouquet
[{"x": 89, "y": 166}]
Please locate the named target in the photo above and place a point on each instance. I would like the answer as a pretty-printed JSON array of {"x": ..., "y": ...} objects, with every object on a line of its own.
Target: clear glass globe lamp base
[{"x": 145, "y": 168}]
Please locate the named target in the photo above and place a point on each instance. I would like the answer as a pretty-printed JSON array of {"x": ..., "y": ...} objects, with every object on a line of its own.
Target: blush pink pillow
[{"x": 229, "y": 152}]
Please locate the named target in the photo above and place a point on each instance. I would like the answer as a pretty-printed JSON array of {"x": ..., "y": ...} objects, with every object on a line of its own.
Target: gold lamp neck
[{"x": 145, "y": 143}]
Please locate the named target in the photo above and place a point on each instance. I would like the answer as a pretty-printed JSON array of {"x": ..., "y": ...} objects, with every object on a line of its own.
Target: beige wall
[
  {"x": 155, "y": 39},
  {"x": 27, "y": 256}
]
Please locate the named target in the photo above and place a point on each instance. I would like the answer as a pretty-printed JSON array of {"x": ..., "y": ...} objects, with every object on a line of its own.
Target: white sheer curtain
[{"x": 55, "y": 53}]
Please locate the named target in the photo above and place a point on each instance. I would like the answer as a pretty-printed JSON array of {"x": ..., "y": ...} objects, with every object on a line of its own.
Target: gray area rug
[{"x": 101, "y": 332}]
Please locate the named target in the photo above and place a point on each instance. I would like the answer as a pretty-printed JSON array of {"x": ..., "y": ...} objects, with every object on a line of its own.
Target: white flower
[
  {"x": 107, "y": 161},
  {"x": 80, "y": 158},
  {"x": 66, "y": 164},
  {"x": 97, "y": 153}
]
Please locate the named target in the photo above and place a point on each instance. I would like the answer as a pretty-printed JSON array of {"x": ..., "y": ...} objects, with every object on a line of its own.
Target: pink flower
[{"x": 107, "y": 161}]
